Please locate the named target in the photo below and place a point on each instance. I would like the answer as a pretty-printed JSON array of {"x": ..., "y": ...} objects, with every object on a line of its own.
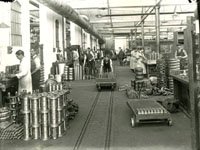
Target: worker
[
  {"x": 133, "y": 60},
  {"x": 35, "y": 69},
  {"x": 89, "y": 63},
  {"x": 106, "y": 65},
  {"x": 181, "y": 54},
  {"x": 141, "y": 60},
  {"x": 121, "y": 56},
  {"x": 24, "y": 74}
]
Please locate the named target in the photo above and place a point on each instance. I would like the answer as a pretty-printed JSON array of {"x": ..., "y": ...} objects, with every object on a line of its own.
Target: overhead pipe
[{"x": 60, "y": 7}]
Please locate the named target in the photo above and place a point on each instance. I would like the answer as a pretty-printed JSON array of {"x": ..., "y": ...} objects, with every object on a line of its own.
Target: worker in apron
[
  {"x": 24, "y": 74},
  {"x": 181, "y": 54},
  {"x": 141, "y": 60}
]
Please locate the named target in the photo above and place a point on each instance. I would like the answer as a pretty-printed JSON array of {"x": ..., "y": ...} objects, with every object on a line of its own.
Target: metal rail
[
  {"x": 109, "y": 123},
  {"x": 84, "y": 128}
]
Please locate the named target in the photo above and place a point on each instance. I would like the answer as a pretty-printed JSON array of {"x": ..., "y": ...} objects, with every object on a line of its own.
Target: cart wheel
[
  {"x": 169, "y": 122},
  {"x": 132, "y": 122}
]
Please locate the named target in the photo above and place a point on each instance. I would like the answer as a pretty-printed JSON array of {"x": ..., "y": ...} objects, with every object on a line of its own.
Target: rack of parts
[{"x": 148, "y": 111}]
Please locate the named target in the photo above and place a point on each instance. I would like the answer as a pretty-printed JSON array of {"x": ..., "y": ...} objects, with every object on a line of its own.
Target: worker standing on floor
[
  {"x": 121, "y": 56},
  {"x": 181, "y": 54},
  {"x": 141, "y": 60},
  {"x": 24, "y": 74},
  {"x": 89, "y": 64},
  {"x": 35, "y": 69}
]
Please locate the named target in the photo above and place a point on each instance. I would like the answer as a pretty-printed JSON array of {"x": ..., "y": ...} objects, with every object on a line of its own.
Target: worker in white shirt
[{"x": 24, "y": 74}]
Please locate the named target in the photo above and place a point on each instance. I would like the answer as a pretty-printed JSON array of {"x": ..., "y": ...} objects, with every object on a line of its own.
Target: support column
[
  {"x": 142, "y": 29},
  {"x": 157, "y": 10},
  {"x": 131, "y": 39}
]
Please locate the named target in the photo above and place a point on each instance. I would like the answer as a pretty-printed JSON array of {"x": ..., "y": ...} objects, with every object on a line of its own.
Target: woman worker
[{"x": 24, "y": 74}]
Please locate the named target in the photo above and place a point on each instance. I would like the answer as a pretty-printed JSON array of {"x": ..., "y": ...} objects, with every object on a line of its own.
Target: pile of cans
[{"x": 45, "y": 114}]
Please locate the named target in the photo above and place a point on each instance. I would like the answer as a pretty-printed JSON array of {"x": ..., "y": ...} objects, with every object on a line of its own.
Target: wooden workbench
[{"x": 181, "y": 91}]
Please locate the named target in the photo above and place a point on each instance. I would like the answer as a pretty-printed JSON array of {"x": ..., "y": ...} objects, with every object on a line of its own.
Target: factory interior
[{"x": 99, "y": 75}]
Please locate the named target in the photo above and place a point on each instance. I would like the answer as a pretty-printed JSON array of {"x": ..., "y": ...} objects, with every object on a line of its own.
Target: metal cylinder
[
  {"x": 35, "y": 118},
  {"x": 36, "y": 132},
  {"x": 27, "y": 132},
  {"x": 44, "y": 119},
  {"x": 59, "y": 103},
  {"x": 54, "y": 132},
  {"x": 60, "y": 86},
  {"x": 27, "y": 119},
  {"x": 61, "y": 129},
  {"x": 53, "y": 102},
  {"x": 60, "y": 116},
  {"x": 35, "y": 104},
  {"x": 44, "y": 103},
  {"x": 53, "y": 117},
  {"x": 44, "y": 132},
  {"x": 25, "y": 104}
]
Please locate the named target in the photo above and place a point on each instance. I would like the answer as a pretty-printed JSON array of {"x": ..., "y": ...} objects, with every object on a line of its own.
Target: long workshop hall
[{"x": 99, "y": 75}]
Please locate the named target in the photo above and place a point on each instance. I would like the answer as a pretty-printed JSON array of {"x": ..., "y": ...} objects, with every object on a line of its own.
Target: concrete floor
[{"x": 123, "y": 136}]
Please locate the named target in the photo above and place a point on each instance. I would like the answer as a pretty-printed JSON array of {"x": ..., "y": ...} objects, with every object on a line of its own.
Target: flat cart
[
  {"x": 148, "y": 111},
  {"x": 106, "y": 80}
]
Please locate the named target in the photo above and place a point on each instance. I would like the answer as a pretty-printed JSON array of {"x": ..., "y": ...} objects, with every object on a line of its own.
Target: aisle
[{"x": 91, "y": 129}]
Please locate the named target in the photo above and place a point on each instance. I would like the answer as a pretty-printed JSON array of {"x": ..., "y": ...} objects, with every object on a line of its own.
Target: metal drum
[
  {"x": 36, "y": 132},
  {"x": 44, "y": 107},
  {"x": 44, "y": 119},
  {"x": 44, "y": 132},
  {"x": 53, "y": 117},
  {"x": 53, "y": 102},
  {"x": 27, "y": 132}
]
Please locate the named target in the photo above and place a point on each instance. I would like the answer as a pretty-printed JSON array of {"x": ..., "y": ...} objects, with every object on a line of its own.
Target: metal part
[
  {"x": 44, "y": 106},
  {"x": 54, "y": 132},
  {"x": 27, "y": 132},
  {"x": 61, "y": 7}
]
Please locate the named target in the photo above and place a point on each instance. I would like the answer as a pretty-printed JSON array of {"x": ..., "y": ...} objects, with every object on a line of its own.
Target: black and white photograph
[{"x": 99, "y": 75}]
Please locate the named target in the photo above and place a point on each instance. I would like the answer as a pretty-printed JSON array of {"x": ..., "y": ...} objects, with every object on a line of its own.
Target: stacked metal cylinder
[
  {"x": 47, "y": 114},
  {"x": 14, "y": 107},
  {"x": 139, "y": 73},
  {"x": 172, "y": 64},
  {"x": 26, "y": 111},
  {"x": 66, "y": 73},
  {"x": 161, "y": 73},
  {"x": 71, "y": 74}
]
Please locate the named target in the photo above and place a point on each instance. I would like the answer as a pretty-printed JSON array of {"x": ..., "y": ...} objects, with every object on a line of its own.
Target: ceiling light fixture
[{"x": 99, "y": 16}]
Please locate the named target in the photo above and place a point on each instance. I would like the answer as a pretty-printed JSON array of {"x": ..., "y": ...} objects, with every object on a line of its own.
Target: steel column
[{"x": 157, "y": 9}]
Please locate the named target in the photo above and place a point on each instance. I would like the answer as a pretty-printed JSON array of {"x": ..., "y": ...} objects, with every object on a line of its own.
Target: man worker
[
  {"x": 24, "y": 74},
  {"x": 35, "y": 69},
  {"x": 181, "y": 54}
]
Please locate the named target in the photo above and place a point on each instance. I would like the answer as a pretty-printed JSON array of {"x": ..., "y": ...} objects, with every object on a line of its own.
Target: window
[
  {"x": 16, "y": 37},
  {"x": 57, "y": 33}
]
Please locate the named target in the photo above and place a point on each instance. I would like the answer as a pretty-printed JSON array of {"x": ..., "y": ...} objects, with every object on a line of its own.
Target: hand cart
[
  {"x": 106, "y": 80},
  {"x": 148, "y": 111}
]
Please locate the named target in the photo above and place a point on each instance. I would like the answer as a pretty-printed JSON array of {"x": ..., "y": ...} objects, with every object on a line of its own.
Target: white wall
[
  {"x": 120, "y": 42},
  {"x": 47, "y": 36},
  {"x": 5, "y": 37},
  {"x": 75, "y": 34}
]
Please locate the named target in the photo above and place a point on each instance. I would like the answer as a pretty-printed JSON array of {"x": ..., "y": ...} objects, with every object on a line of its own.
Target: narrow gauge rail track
[{"x": 87, "y": 121}]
